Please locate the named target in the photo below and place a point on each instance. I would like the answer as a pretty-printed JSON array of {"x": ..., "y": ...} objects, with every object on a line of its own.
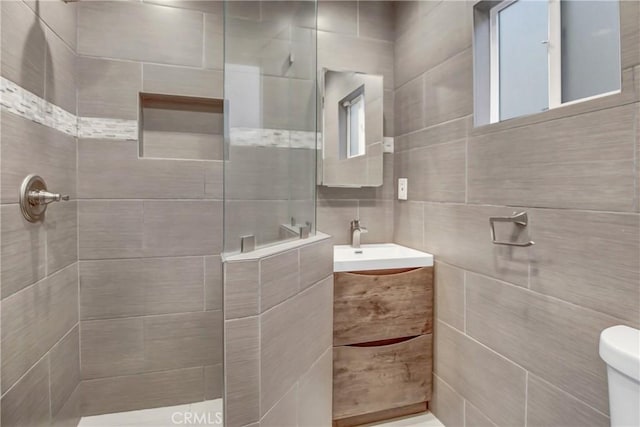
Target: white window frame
[
  {"x": 554, "y": 49},
  {"x": 361, "y": 140}
]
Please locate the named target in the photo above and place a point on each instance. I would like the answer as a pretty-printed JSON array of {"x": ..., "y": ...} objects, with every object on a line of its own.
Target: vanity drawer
[
  {"x": 377, "y": 378},
  {"x": 380, "y": 305}
]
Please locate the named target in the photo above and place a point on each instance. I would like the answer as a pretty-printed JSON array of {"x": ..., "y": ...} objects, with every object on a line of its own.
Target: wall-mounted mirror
[{"x": 352, "y": 129}]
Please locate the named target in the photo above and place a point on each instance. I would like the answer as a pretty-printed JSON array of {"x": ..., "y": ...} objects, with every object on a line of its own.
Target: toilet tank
[{"x": 620, "y": 349}]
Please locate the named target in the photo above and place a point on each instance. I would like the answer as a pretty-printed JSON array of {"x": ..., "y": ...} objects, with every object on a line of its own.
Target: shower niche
[{"x": 181, "y": 127}]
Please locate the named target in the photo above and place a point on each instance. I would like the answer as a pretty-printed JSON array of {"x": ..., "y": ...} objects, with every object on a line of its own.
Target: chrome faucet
[{"x": 356, "y": 231}]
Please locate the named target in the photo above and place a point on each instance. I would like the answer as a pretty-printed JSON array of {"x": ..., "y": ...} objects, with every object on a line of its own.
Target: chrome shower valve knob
[{"x": 34, "y": 198}]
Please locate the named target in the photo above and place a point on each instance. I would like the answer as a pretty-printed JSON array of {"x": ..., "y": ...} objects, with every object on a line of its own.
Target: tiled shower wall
[
  {"x": 150, "y": 230},
  {"x": 517, "y": 328},
  {"x": 40, "y": 368},
  {"x": 359, "y": 36},
  {"x": 279, "y": 333}
]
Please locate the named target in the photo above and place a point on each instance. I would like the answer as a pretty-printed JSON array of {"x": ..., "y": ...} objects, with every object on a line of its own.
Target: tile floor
[
  {"x": 209, "y": 413},
  {"x": 423, "y": 420}
]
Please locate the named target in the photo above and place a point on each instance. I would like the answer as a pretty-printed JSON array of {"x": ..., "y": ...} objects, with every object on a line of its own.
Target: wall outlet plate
[
  {"x": 403, "y": 188},
  {"x": 387, "y": 144}
]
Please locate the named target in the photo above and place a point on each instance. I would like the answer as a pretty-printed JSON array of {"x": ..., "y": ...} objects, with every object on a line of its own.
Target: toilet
[{"x": 620, "y": 349}]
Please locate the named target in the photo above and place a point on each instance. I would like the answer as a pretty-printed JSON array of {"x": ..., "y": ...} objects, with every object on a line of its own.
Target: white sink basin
[{"x": 378, "y": 257}]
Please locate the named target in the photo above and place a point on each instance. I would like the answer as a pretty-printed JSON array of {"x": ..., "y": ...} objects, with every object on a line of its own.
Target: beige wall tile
[
  {"x": 241, "y": 284},
  {"x": 474, "y": 418},
  {"x": 23, "y": 47},
  {"x": 440, "y": 32},
  {"x": 303, "y": 340},
  {"x": 629, "y": 33},
  {"x": 408, "y": 224},
  {"x": 155, "y": 343},
  {"x": 344, "y": 52},
  {"x": 138, "y": 287},
  {"x": 279, "y": 278},
  {"x": 283, "y": 413},
  {"x": 213, "y": 381},
  {"x": 109, "y": 229},
  {"x": 459, "y": 235},
  {"x": 34, "y": 319},
  {"x": 449, "y": 295},
  {"x": 481, "y": 376},
  {"x": 214, "y": 41},
  {"x": 581, "y": 162},
  {"x": 107, "y": 168},
  {"x": 64, "y": 362},
  {"x": 28, "y": 147},
  {"x": 377, "y": 217},
  {"x": 27, "y": 403},
  {"x": 565, "y": 265},
  {"x": 183, "y": 340},
  {"x": 242, "y": 371},
  {"x": 334, "y": 217},
  {"x": 22, "y": 250},
  {"x": 182, "y": 81},
  {"x": 213, "y": 180},
  {"x": 376, "y": 19},
  {"x": 446, "y": 404},
  {"x": 156, "y": 389},
  {"x": 315, "y": 391},
  {"x": 112, "y": 347},
  {"x": 108, "y": 88},
  {"x": 213, "y": 282},
  {"x": 182, "y": 227},
  {"x": 59, "y": 17},
  {"x": 435, "y": 172},
  {"x": 316, "y": 262},
  {"x": 409, "y": 106},
  {"x": 338, "y": 16},
  {"x": 517, "y": 323},
  {"x": 139, "y": 31},
  {"x": 448, "y": 89},
  {"x": 61, "y": 225},
  {"x": 548, "y": 405},
  {"x": 61, "y": 72},
  {"x": 261, "y": 218},
  {"x": 291, "y": 103},
  {"x": 69, "y": 415},
  {"x": 437, "y": 134},
  {"x": 207, "y": 6},
  {"x": 409, "y": 59}
]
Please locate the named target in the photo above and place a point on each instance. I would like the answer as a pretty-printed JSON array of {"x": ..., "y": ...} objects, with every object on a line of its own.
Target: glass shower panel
[{"x": 270, "y": 120}]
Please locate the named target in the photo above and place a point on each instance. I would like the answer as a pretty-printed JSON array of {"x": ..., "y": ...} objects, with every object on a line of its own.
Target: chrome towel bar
[{"x": 519, "y": 219}]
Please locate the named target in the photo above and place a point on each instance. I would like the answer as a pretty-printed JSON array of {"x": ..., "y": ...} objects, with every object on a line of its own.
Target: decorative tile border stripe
[
  {"x": 98, "y": 128},
  {"x": 17, "y": 100},
  {"x": 250, "y": 137},
  {"x": 20, "y": 101},
  {"x": 23, "y": 103}
]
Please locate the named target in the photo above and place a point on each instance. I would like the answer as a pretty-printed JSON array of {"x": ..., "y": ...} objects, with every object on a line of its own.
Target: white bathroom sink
[{"x": 378, "y": 257}]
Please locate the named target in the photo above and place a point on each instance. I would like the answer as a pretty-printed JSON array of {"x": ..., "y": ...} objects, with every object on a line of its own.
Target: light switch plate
[{"x": 403, "y": 188}]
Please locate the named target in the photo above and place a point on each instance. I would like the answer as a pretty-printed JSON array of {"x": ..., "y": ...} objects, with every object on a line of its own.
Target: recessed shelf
[{"x": 181, "y": 127}]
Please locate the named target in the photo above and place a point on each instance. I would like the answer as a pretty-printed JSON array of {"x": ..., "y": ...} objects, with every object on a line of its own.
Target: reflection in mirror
[{"x": 352, "y": 129}]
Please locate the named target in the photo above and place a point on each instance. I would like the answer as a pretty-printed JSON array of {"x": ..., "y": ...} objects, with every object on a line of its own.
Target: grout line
[
  {"x": 464, "y": 302},
  {"x": 526, "y": 396},
  {"x": 46, "y": 354},
  {"x": 204, "y": 283}
]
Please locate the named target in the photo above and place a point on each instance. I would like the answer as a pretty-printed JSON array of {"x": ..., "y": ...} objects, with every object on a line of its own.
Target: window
[
  {"x": 534, "y": 55},
  {"x": 355, "y": 126},
  {"x": 352, "y": 130}
]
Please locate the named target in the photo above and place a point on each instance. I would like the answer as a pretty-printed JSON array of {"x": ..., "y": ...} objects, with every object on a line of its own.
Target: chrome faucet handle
[
  {"x": 34, "y": 198},
  {"x": 41, "y": 197}
]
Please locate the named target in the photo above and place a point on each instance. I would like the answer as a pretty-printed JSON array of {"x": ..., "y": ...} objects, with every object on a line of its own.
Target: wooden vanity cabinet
[{"x": 383, "y": 344}]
